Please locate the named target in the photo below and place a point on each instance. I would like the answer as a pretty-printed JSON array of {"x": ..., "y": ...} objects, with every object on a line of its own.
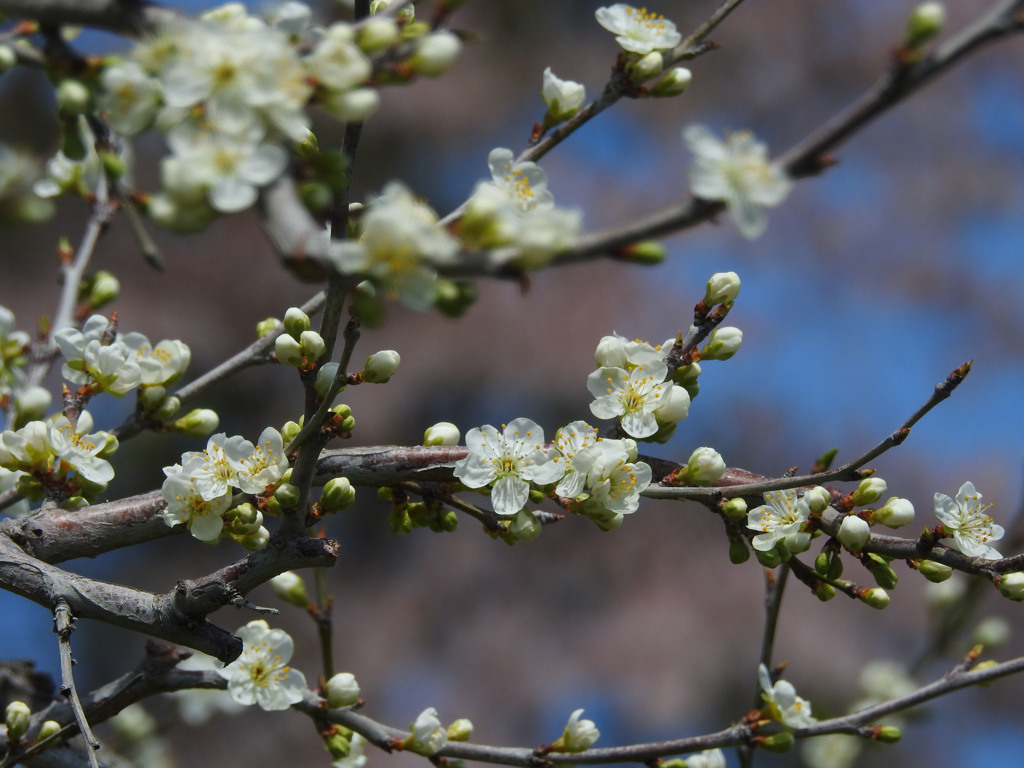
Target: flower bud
[
  {"x": 722, "y": 288},
  {"x": 778, "y": 742},
  {"x": 263, "y": 327},
  {"x": 868, "y": 492},
  {"x": 325, "y": 378},
  {"x": 646, "y": 67},
  {"x": 896, "y": 513},
  {"x": 104, "y": 288},
  {"x": 290, "y": 587},
  {"x": 197, "y": 423},
  {"x": 578, "y": 735},
  {"x": 73, "y": 98},
  {"x": 338, "y": 494},
  {"x": 824, "y": 591},
  {"x": 352, "y": 106},
  {"x": 686, "y": 376},
  {"x": 925, "y": 23},
  {"x": 934, "y": 572},
  {"x": 295, "y": 322},
  {"x": 288, "y": 350},
  {"x": 287, "y": 495},
  {"x": 460, "y": 730},
  {"x": 1011, "y": 585},
  {"x": 312, "y": 344},
  {"x": 454, "y": 298},
  {"x": 408, "y": 13},
  {"x": 795, "y": 543},
  {"x": 442, "y": 433},
  {"x": 672, "y": 83},
  {"x": 17, "y": 718},
  {"x": 342, "y": 690},
  {"x": 610, "y": 352},
  {"x": 769, "y": 558},
  {"x": 876, "y": 598},
  {"x": 888, "y": 734},
  {"x": 8, "y": 59},
  {"x": 562, "y": 97},
  {"x": 377, "y": 33},
  {"x": 723, "y": 344},
  {"x": 818, "y": 499},
  {"x": 734, "y": 509},
  {"x": 338, "y": 744},
  {"x": 854, "y": 533},
  {"x": 380, "y": 367},
  {"x": 738, "y": 550},
  {"x": 674, "y": 408},
  {"x": 705, "y": 466},
  {"x": 255, "y": 541},
  {"x": 290, "y": 431},
  {"x": 884, "y": 575},
  {"x": 435, "y": 53},
  {"x": 646, "y": 253},
  {"x": 32, "y": 403},
  {"x": 524, "y": 526},
  {"x": 991, "y": 632},
  {"x": 47, "y": 729}
]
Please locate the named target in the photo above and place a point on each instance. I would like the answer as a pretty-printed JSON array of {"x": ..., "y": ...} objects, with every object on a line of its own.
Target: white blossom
[
  {"x": 966, "y": 518},
  {"x": 638, "y": 30},
  {"x": 261, "y": 675},
  {"x": 780, "y": 516},
  {"x": 186, "y": 504},
  {"x": 783, "y": 702},
  {"x": 428, "y": 735},
  {"x": 632, "y": 395}
]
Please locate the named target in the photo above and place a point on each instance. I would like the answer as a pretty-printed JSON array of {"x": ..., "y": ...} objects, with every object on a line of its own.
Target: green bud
[
  {"x": 888, "y": 734},
  {"x": 399, "y": 520},
  {"x": 734, "y": 509},
  {"x": 381, "y": 366},
  {"x": 722, "y": 288},
  {"x": 449, "y": 520},
  {"x": 769, "y": 559},
  {"x": 778, "y": 742},
  {"x": 1011, "y": 585},
  {"x": 197, "y": 423},
  {"x": 738, "y": 551},
  {"x": 73, "y": 98},
  {"x": 818, "y": 499},
  {"x": 312, "y": 344},
  {"x": 366, "y": 306},
  {"x": 104, "y": 289},
  {"x": 295, "y": 322},
  {"x": 29, "y": 487},
  {"x": 325, "y": 377},
  {"x": 316, "y": 196},
  {"x": 338, "y": 745},
  {"x": 342, "y": 690},
  {"x": 876, "y": 598},
  {"x": 879, "y": 567},
  {"x": 854, "y": 533},
  {"x": 645, "y": 252},
  {"x": 686, "y": 377},
  {"x": 48, "y": 729},
  {"x": 442, "y": 433},
  {"x": 8, "y": 59},
  {"x": 869, "y": 491},
  {"x": 672, "y": 83},
  {"x": 934, "y": 572},
  {"x": 824, "y": 592},
  {"x": 646, "y": 67},
  {"x": 255, "y": 541},
  {"x": 454, "y": 298},
  {"x": 821, "y": 563},
  {"x": 263, "y": 327},
  {"x": 290, "y": 587},
  {"x": 288, "y": 350},
  {"x": 290, "y": 431},
  {"x": 434, "y": 53},
  {"x": 17, "y": 718},
  {"x": 377, "y": 33},
  {"x": 72, "y": 145},
  {"x": 460, "y": 730},
  {"x": 167, "y": 408},
  {"x": 835, "y": 568},
  {"x": 287, "y": 495},
  {"x": 722, "y": 344},
  {"x": 272, "y": 507},
  {"x": 338, "y": 494},
  {"x": 113, "y": 164},
  {"x": 896, "y": 513},
  {"x": 925, "y": 23},
  {"x": 152, "y": 397}
]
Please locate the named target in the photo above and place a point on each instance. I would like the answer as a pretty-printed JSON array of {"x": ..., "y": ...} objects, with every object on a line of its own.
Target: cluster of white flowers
[
  {"x": 515, "y": 209},
  {"x": 199, "y": 490},
  {"x": 632, "y": 384},
  {"x": 55, "y": 453},
  {"x": 24, "y": 401},
  {"x": 118, "y": 363},
  {"x": 602, "y": 476}
]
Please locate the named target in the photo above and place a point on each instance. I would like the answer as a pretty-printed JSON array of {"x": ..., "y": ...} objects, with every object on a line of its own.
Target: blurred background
[{"x": 871, "y": 284}]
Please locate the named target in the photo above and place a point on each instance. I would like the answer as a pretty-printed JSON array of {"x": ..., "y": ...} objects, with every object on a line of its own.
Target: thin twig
[{"x": 64, "y": 626}]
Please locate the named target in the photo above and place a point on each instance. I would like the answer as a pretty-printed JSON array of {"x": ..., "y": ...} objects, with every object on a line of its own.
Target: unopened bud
[
  {"x": 263, "y": 327},
  {"x": 342, "y": 690},
  {"x": 896, "y": 513},
  {"x": 888, "y": 734},
  {"x": 879, "y": 567},
  {"x": 287, "y": 495},
  {"x": 705, "y": 465},
  {"x": 925, "y": 23},
  {"x": 325, "y": 378},
  {"x": 48, "y": 729},
  {"x": 778, "y": 742},
  {"x": 734, "y": 509},
  {"x": 17, "y": 718},
  {"x": 876, "y": 598},
  {"x": 738, "y": 550},
  {"x": 935, "y": 572},
  {"x": 818, "y": 499},
  {"x": 312, "y": 344},
  {"x": 8, "y": 58},
  {"x": 197, "y": 423},
  {"x": 1011, "y": 585},
  {"x": 442, "y": 433},
  {"x": 380, "y": 367},
  {"x": 723, "y": 344},
  {"x": 352, "y": 106},
  {"x": 377, "y": 33},
  {"x": 295, "y": 322},
  {"x": 434, "y": 53},
  {"x": 854, "y": 533},
  {"x": 288, "y": 350},
  {"x": 255, "y": 541},
  {"x": 722, "y": 288},
  {"x": 769, "y": 558},
  {"x": 824, "y": 591},
  {"x": 338, "y": 494},
  {"x": 338, "y": 744},
  {"x": 646, "y": 67},
  {"x": 460, "y": 730},
  {"x": 645, "y": 252},
  {"x": 104, "y": 289},
  {"x": 673, "y": 83},
  {"x": 686, "y": 376},
  {"x": 73, "y": 98},
  {"x": 290, "y": 587},
  {"x": 869, "y": 491}
]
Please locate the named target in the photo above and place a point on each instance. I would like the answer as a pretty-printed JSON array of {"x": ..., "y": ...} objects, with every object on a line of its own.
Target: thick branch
[{"x": 130, "y": 18}]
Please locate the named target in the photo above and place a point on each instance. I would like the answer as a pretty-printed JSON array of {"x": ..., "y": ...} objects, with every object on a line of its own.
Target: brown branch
[{"x": 129, "y": 18}]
